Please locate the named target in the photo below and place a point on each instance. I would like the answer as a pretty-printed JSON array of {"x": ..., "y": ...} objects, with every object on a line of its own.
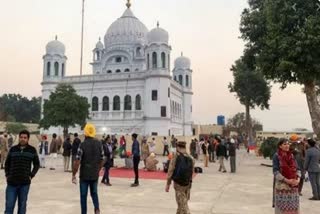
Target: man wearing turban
[{"x": 90, "y": 160}]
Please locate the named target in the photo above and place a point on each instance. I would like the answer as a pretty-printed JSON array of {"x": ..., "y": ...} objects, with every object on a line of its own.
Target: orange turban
[{"x": 294, "y": 138}]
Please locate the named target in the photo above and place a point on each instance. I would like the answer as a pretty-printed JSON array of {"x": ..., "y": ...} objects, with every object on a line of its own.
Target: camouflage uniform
[
  {"x": 182, "y": 192},
  {"x": 3, "y": 150}
]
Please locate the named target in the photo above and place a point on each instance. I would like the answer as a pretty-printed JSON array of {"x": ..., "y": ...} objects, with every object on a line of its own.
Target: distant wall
[
  {"x": 32, "y": 127},
  {"x": 207, "y": 129}
]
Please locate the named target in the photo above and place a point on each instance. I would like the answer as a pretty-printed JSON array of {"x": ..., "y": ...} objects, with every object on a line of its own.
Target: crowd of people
[
  {"x": 210, "y": 149},
  {"x": 295, "y": 161}
]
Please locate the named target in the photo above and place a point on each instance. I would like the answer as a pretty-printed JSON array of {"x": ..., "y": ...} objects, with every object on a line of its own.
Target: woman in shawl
[{"x": 286, "y": 180}]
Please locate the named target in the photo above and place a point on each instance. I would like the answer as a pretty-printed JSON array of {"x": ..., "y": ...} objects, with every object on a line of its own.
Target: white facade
[{"x": 131, "y": 88}]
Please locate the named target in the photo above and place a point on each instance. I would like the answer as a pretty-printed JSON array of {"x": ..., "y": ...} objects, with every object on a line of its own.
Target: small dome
[
  {"x": 99, "y": 45},
  {"x": 55, "y": 47},
  {"x": 182, "y": 62},
  {"x": 158, "y": 35}
]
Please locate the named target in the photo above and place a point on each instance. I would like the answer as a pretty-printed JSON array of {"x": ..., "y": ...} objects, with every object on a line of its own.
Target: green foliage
[
  {"x": 284, "y": 38},
  {"x": 64, "y": 108},
  {"x": 237, "y": 123},
  {"x": 249, "y": 84},
  {"x": 15, "y": 128},
  {"x": 269, "y": 147},
  {"x": 15, "y": 107}
]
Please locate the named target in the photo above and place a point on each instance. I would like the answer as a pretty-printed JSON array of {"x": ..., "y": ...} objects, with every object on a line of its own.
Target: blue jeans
[
  {"x": 314, "y": 178},
  {"x": 13, "y": 193},
  {"x": 84, "y": 185}
]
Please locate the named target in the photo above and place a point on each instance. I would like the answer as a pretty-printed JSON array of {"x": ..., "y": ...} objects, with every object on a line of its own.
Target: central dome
[{"x": 126, "y": 30}]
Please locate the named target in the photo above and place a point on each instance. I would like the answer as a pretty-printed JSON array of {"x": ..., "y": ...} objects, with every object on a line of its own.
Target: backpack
[
  {"x": 198, "y": 170},
  {"x": 183, "y": 172}
]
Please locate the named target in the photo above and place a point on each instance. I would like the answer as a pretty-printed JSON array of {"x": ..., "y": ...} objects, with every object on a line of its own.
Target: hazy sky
[{"x": 206, "y": 31}]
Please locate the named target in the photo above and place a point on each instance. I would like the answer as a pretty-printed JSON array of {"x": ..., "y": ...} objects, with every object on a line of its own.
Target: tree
[
  {"x": 15, "y": 107},
  {"x": 237, "y": 123},
  {"x": 250, "y": 87},
  {"x": 64, "y": 108},
  {"x": 284, "y": 36}
]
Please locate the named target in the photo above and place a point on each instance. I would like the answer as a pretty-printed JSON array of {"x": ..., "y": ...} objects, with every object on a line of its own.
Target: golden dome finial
[{"x": 128, "y": 4}]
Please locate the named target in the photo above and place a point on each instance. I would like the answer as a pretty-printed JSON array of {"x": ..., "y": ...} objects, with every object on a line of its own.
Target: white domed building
[{"x": 131, "y": 88}]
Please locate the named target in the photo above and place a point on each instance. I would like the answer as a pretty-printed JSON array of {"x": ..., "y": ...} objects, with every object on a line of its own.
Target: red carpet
[{"x": 128, "y": 173}]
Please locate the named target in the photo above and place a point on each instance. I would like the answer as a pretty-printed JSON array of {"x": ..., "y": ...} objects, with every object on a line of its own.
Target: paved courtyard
[{"x": 247, "y": 192}]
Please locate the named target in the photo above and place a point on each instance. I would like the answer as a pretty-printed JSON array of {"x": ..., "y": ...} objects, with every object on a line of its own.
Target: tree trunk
[
  {"x": 248, "y": 125},
  {"x": 65, "y": 132},
  {"x": 313, "y": 104}
]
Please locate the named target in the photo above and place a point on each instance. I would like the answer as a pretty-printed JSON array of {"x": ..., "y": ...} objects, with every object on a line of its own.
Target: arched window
[
  {"x": 109, "y": 71},
  {"x": 48, "y": 68},
  {"x": 180, "y": 79},
  {"x": 105, "y": 103},
  {"x": 138, "y": 52},
  {"x": 56, "y": 68},
  {"x": 95, "y": 104},
  {"x": 163, "y": 60},
  {"x": 187, "y": 80},
  {"x": 116, "y": 103},
  {"x": 127, "y": 70},
  {"x": 154, "y": 60},
  {"x": 118, "y": 71},
  {"x": 62, "y": 70},
  {"x": 98, "y": 55},
  {"x": 138, "y": 102},
  {"x": 127, "y": 103},
  {"x": 175, "y": 78},
  {"x": 148, "y": 61}
]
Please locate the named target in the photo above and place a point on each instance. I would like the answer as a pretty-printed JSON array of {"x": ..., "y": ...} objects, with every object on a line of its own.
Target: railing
[{"x": 116, "y": 115}]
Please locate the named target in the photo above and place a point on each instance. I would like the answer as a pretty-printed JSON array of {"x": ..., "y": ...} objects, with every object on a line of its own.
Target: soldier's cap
[{"x": 181, "y": 143}]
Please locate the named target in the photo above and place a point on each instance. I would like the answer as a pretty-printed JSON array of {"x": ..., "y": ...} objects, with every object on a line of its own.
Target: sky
[{"x": 206, "y": 31}]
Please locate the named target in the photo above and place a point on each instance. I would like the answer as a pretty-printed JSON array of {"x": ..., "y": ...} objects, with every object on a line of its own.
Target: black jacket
[
  {"x": 107, "y": 153},
  {"x": 221, "y": 150},
  {"x": 18, "y": 165},
  {"x": 204, "y": 149},
  {"x": 90, "y": 155},
  {"x": 67, "y": 147},
  {"x": 75, "y": 146},
  {"x": 232, "y": 150}
]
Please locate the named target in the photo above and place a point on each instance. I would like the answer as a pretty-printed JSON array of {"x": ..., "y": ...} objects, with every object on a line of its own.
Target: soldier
[
  {"x": 181, "y": 171},
  {"x": 4, "y": 149}
]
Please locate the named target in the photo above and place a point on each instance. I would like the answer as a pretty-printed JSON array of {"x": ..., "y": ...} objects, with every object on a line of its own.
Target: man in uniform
[
  {"x": 182, "y": 185},
  {"x": 4, "y": 149}
]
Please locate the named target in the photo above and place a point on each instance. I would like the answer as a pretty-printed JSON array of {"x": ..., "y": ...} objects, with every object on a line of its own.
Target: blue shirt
[{"x": 135, "y": 148}]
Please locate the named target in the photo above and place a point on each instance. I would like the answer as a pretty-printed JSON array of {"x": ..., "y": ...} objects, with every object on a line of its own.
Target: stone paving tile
[{"x": 249, "y": 191}]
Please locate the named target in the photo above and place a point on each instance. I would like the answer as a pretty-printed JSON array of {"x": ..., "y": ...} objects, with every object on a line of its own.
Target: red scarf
[{"x": 288, "y": 166}]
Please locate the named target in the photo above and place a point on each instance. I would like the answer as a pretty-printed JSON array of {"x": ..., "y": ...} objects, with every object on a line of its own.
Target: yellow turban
[{"x": 89, "y": 130}]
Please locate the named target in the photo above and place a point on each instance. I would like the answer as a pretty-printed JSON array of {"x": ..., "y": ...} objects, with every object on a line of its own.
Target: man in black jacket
[
  {"x": 19, "y": 174},
  {"x": 108, "y": 150},
  {"x": 75, "y": 146},
  {"x": 221, "y": 154},
  {"x": 90, "y": 160}
]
